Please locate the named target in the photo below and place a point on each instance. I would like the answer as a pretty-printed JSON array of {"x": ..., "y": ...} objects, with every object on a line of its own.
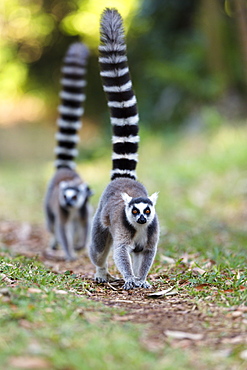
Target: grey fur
[
  {"x": 111, "y": 228},
  {"x": 69, "y": 224},
  {"x": 125, "y": 219},
  {"x": 111, "y": 27},
  {"x": 67, "y": 209}
]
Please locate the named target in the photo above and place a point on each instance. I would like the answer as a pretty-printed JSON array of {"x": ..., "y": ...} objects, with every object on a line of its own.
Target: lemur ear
[
  {"x": 82, "y": 187},
  {"x": 89, "y": 192},
  {"x": 85, "y": 188},
  {"x": 154, "y": 198},
  {"x": 126, "y": 198},
  {"x": 62, "y": 184}
]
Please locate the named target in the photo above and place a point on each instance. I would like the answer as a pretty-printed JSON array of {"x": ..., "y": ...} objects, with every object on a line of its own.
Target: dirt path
[{"x": 174, "y": 318}]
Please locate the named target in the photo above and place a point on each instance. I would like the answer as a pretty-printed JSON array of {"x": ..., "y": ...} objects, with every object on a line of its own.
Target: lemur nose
[{"x": 141, "y": 220}]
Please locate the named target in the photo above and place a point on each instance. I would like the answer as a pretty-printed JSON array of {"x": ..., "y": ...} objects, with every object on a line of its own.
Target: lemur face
[
  {"x": 140, "y": 210},
  {"x": 73, "y": 196}
]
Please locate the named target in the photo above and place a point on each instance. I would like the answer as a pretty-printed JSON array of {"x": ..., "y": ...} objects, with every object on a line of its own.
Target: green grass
[
  {"x": 220, "y": 284},
  {"x": 202, "y": 182},
  {"x": 55, "y": 325},
  {"x": 46, "y": 316}
]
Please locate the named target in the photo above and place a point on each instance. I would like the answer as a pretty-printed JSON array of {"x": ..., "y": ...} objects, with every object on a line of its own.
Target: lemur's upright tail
[
  {"x": 71, "y": 108},
  {"x": 120, "y": 96}
]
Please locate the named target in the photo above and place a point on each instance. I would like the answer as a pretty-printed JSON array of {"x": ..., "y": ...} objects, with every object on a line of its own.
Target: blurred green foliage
[
  {"x": 85, "y": 20},
  {"x": 183, "y": 55},
  {"x": 188, "y": 53},
  {"x": 26, "y": 29}
]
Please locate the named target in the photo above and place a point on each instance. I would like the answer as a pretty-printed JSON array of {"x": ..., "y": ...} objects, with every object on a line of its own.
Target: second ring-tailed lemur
[
  {"x": 67, "y": 209},
  {"x": 125, "y": 219}
]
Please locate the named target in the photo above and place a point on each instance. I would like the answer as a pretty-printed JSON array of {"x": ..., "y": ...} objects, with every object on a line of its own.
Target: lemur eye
[
  {"x": 147, "y": 211},
  {"x": 135, "y": 211}
]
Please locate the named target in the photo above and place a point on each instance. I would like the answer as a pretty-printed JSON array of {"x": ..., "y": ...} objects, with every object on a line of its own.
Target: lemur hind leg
[{"x": 98, "y": 251}]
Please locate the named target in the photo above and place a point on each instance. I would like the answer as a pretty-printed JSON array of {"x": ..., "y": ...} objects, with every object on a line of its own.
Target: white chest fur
[{"x": 140, "y": 237}]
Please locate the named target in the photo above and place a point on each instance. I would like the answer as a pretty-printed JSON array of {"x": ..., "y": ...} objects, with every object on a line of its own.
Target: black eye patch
[
  {"x": 135, "y": 211},
  {"x": 147, "y": 211}
]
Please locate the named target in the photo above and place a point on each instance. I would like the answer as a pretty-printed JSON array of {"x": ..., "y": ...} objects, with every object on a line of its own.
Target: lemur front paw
[
  {"x": 129, "y": 284},
  {"x": 54, "y": 244},
  {"x": 70, "y": 258},
  {"x": 100, "y": 280},
  {"x": 142, "y": 284},
  {"x": 104, "y": 278}
]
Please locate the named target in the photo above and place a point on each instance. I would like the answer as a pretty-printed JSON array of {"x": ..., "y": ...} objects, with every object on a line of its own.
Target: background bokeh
[
  {"x": 187, "y": 58},
  {"x": 188, "y": 64}
]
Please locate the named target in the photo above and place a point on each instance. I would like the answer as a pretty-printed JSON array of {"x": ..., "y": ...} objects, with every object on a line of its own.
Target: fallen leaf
[
  {"x": 243, "y": 355},
  {"x": 167, "y": 259},
  {"x": 163, "y": 293},
  {"x": 111, "y": 286},
  {"x": 242, "y": 287},
  {"x": 122, "y": 301},
  {"x": 59, "y": 291},
  {"x": 235, "y": 340},
  {"x": 201, "y": 286},
  {"x": 92, "y": 317},
  {"x": 34, "y": 290},
  {"x": 172, "y": 292},
  {"x": 48, "y": 309},
  {"x": 199, "y": 270},
  {"x": 183, "y": 335},
  {"x": 25, "y": 324},
  {"x": 6, "y": 279},
  {"x": 32, "y": 363},
  {"x": 185, "y": 258},
  {"x": 237, "y": 314},
  {"x": 184, "y": 282},
  {"x": 209, "y": 264},
  {"x": 242, "y": 308}
]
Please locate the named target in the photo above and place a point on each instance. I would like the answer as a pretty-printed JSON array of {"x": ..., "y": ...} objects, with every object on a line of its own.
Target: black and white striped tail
[
  {"x": 120, "y": 96},
  {"x": 71, "y": 108}
]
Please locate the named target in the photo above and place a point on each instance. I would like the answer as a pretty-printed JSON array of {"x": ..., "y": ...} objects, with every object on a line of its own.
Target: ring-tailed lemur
[
  {"x": 67, "y": 209},
  {"x": 125, "y": 218}
]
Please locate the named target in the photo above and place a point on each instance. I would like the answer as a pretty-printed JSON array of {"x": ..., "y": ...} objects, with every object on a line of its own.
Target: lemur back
[
  {"x": 67, "y": 209},
  {"x": 125, "y": 219}
]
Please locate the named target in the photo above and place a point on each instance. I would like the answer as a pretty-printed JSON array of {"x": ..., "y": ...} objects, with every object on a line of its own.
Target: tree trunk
[
  {"x": 241, "y": 20},
  {"x": 211, "y": 22}
]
